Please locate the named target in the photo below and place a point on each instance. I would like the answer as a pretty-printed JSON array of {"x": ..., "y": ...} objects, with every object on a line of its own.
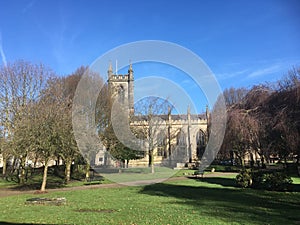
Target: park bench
[
  {"x": 199, "y": 173},
  {"x": 94, "y": 180}
]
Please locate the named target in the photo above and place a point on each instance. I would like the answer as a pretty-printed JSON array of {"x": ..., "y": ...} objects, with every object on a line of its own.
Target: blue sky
[{"x": 243, "y": 42}]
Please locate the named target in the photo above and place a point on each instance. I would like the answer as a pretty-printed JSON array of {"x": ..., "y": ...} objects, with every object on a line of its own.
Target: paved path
[{"x": 10, "y": 191}]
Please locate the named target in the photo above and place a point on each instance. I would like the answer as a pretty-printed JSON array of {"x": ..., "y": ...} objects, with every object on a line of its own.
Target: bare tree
[
  {"x": 234, "y": 96},
  {"x": 20, "y": 84},
  {"x": 84, "y": 116},
  {"x": 68, "y": 149},
  {"x": 150, "y": 124}
]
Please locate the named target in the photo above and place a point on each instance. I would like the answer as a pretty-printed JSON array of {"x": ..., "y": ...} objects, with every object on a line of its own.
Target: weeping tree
[
  {"x": 241, "y": 133},
  {"x": 266, "y": 120}
]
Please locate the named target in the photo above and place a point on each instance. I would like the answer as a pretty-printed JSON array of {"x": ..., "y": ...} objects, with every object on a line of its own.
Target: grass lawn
[
  {"x": 212, "y": 200},
  {"x": 127, "y": 175},
  {"x": 6, "y": 184}
]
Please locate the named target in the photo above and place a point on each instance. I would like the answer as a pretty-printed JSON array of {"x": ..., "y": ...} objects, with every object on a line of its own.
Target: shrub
[
  {"x": 277, "y": 181},
  {"x": 244, "y": 178},
  {"x": 267, "y": 180},
  {"x": 258, "y": 178}
]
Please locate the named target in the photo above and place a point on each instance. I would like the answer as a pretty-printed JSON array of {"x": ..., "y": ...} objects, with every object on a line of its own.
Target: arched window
[
  {"x": 161, "y": 144},
  {"x": 121, "y": 93},
  {"x": 181, "y": 139},
  {"x": 201, "y": 143}
]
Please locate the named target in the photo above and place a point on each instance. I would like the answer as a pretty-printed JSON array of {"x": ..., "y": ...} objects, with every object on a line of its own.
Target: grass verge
[{"x": 212, "y": 200}]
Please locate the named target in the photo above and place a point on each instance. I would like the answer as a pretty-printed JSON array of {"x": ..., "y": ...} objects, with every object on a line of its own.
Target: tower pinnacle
[
  {"x": 130, "y": 71},
  {"x": 130, "y": 67},
  {"x": 110, "y": 70}
]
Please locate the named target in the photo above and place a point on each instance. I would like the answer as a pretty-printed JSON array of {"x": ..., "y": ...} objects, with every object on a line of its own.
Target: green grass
[
  {"x": 6, "y": 184},
  {"x": 35, "y": 181},
  {"x": 137, "y": 174},
  {"x": 296, "y": 180},
  {"x": 222, "y": 168},
  {"x": 212, "y": 200}
]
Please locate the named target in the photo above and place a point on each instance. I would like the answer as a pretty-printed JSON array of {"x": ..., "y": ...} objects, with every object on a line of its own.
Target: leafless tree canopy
[{"x": 266, "y": 120}]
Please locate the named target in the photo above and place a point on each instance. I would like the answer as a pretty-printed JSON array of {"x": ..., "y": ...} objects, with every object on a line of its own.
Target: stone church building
[{"x": 181, "y": 141}]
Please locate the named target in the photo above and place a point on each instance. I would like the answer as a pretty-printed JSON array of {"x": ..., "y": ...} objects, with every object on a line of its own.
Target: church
[{"x": 181, "y": 142}]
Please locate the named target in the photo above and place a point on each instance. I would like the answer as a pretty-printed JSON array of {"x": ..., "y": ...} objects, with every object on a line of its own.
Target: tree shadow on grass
[
  {"x": 295, "y": 187},
  {"x": 231, "y": 182},
  {"x": 226, "y": 182},
  {"x": 51, "y": 184},
  {"x": 233, "y": 204}
]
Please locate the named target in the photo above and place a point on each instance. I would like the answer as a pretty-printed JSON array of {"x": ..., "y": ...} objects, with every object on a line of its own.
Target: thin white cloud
[
  {"x": 256, "y": 71},
  {"x": 223, "y": 76},
  {"x": 265, "y": 71},
  {"x": 2, "y": 52}
]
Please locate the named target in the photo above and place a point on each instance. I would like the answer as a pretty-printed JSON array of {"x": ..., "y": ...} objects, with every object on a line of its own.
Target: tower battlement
[
  {"x": 121, "y": 86},
  {"x": 120, "y": 77}
]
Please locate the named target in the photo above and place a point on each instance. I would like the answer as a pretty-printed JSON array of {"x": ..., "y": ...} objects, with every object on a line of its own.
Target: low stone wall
[{"x": 46, "y": 201}]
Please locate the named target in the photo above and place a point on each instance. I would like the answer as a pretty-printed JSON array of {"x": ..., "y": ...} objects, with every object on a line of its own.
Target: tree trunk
[
  {"x": 68, "y": 171},
  {"x": 35, "y": 162},
  {"x": 14, "y": 166},
  {"x": 285, "y": 162},
  {"x": 43, "y": 187},
  {"x": 151, "y": 161},
  {"x": 263, "y": 164},
  {"x": 87, "y": 172},
  {"x": 4, "y": 167},
  {"x": 23, "y": 172},
  {"x": 231, "y": 158},
  {"x": 150, "y": 158},
  {"x": 242, "y": 162}
]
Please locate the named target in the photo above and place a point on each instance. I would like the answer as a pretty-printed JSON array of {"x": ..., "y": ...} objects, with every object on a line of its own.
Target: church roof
[{"x": 173, "y": 117}]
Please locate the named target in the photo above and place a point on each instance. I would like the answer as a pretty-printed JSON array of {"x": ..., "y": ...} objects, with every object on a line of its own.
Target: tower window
[{"x": 121, "y": 93}]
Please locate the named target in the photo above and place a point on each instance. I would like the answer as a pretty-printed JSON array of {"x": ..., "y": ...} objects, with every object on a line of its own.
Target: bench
[
  {"x": 94, "y": 180},
  {"x": 198, "y": 174}
]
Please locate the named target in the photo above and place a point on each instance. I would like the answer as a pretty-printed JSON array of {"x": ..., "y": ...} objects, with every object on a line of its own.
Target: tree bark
[
  {"x": 87, "y": 172},
  {"x": 151, "y": 161},
  {"x": 68, "y": 171},
  {"x": 43, "y": 187},
  {"x": 23, "y": 172},
  {"x": 150, "y": 158},
  {"x": 4, "y": 167},
  {"x": 14, "y": 165}
]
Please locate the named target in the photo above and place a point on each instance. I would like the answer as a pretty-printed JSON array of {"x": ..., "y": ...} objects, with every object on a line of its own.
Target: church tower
[{"x": 121, "y": 87}]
